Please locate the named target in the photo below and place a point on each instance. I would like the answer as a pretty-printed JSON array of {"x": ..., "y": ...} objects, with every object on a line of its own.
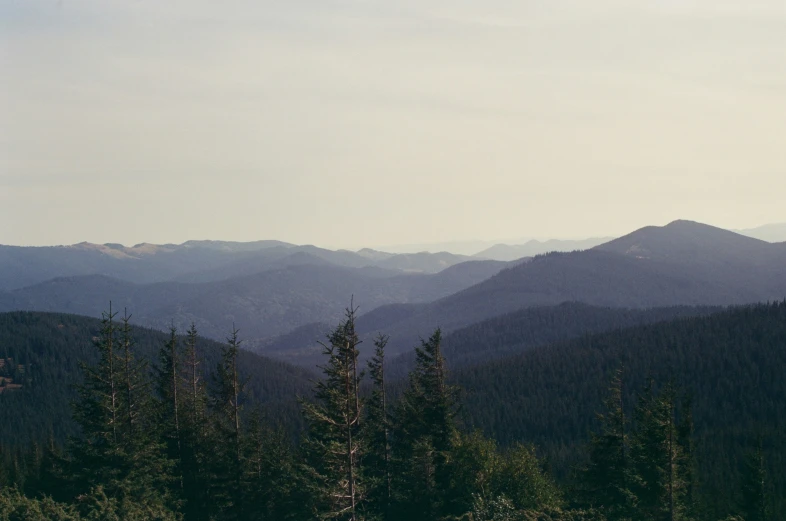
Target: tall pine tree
[
  {"x": 333, "y": 444},
  {"x": 425, "y": 429},
  {"x": 605, "y": 479},
  {"x": 376, "y": 434}
]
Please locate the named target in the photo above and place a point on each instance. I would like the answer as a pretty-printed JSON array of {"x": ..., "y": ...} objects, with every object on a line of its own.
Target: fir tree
[
  {"x": 195, "y": 431},
  {"x": 425, "y": 427},
  {"x": 755, "y": 503},
  {"x": 227, "y": 467},
  {"x": 333, "y": 442},
  {"x": 169, "y": 384},
  {"x": 98, "y": 454},
  {"x": 605, "y": 479},
  {"x": 656, "y": 457},
  {"x": 376, "y": 433},
  {"x": 119, "y": 449}
]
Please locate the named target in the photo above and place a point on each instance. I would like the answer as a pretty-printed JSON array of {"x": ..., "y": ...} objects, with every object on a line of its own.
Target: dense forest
[
  {"x": 51, "y": 346},
  {"x": 639, "y": 424},
  {"x": 729, "y": 364}
]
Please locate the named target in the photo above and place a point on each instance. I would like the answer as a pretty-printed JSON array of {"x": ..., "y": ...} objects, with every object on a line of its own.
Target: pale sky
[{"x": 348, "y": 123}]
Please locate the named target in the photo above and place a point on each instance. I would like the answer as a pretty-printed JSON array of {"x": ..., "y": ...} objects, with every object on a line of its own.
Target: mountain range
[
  {"x": 682, "y": 263},
  {"x": 193, "y": 261},
  {"x": 261, "y": 305},
  {"x": 283, "y": 297},
  {"x": 509, "y": 252}
]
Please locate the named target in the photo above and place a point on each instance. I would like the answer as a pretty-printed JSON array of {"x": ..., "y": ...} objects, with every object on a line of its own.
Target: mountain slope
[
  {"x": 732, "y": 363},
  {"x": 262, "y": 305},
  {"x": 530, "y": 328},
  {"x": 50, "y": 347},
  {"x": 679, "y": 264}
]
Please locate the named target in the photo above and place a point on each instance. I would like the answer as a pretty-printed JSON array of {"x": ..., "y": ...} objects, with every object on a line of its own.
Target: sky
[{"x": 350, "y": 123}]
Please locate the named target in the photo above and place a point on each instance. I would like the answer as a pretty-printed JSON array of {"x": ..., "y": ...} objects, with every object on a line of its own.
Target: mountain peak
[{"x": 682, "y": 240}]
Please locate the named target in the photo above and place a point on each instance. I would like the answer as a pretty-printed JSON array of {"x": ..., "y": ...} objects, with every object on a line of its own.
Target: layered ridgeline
[
  {"x": 42, "y": 353},
  {"x": 270, "y": 290},
  {"x": 486, "y": 340},
  {"x": 193, "y": 261},
  {"x": 691, "y": 429},
  {"x": 683, "y": 263},
  {"x": 263, "y": 304}
]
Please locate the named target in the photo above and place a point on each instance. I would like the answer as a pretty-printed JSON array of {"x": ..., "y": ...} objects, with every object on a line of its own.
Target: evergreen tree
[
  {"x": 376, "y": 433},
  {"x": 333, "y": 443},
  {"x": 425, "y": 428},
  {"x": 656, "y": 457},
  {"x": 755, "y": 503},
  {"x": 270, "y": 487},
  {"x": 169, "y": 390},
  {"x": 227, "y": 463},
  {"x": 605, "y": 479},
  {"x": 150, "y": 472},
  {"x": 119, "y": 449},
  {"x": 98, "y": 453},
  {"x": 196, "y": 437},
  {"x": 689, "y": 465}
]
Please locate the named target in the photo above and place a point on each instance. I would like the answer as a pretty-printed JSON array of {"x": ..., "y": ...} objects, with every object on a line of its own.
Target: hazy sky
[{"x": 366, "y": 122}]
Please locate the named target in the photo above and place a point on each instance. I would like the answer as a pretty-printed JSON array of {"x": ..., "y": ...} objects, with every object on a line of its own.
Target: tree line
[{"x": 166, "y": 442}]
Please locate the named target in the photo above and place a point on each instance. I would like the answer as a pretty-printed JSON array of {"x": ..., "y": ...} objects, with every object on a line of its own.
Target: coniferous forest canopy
[{"x": 682, "y": 419}]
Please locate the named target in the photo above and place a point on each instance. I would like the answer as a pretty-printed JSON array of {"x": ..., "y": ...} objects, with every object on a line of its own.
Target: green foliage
[
  {"x": 425, "y": 429},
  {"x": 731, "y": 363},
  {"x": 334, "y": 441},
  {"x": 180, "y": 450},
  {"x": 755, "y": 483},
  {"x": 376, "y": 435}
]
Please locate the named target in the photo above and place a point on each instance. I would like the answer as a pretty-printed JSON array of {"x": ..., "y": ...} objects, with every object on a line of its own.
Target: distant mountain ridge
[
  {"x": 192, "y": 261},
  {"x": 509, "y": 252},
  {"x": 262, "y": 305},
  {"x": 683, "y": 263},
  {"x": 775, "y": 232}
]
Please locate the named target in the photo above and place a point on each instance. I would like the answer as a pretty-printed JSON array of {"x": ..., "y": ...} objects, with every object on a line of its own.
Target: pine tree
[
  {"x": 227, "y": 467},
  {"x": 196, "y": 436},
  {"x": 119, "y": 449},
  {"x": 98, "y": 454},
  {"x": 605, "y": 479},
  {"x": 169, "y": 390},
  {"x": 755, "y": 503},
  {"x": 656, "y": 457},
  {"x": 269, "y": 484},
  {"x": 425, "y": 428},
  {"x": 150, "y": 472},
  {"x": 333, "y": 442},
  {"x": 376, "y": 433},
  {"x": 689, "y": 467}
]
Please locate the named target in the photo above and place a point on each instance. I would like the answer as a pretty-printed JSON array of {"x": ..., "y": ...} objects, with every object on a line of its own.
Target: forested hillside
[
  {"x": 732, "y": 364},
  {"x": 51, "y": 347},
  {"x": 691, "y": 427},
  {"x": 487, "y": 340},
  {"x": 528, "y": 328}
]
